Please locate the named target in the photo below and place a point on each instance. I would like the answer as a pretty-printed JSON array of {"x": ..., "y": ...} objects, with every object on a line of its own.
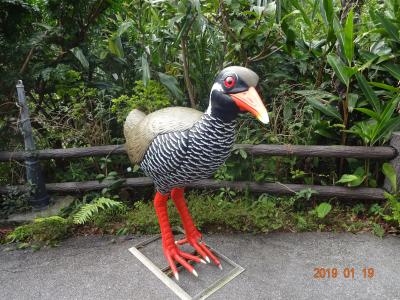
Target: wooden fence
[{"x": 385, "y": 153}]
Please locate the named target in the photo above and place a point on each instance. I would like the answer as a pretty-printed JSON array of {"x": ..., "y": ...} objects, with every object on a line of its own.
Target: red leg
[
  {"x": 193, "y": 236},
  {"x": 171, "y": 251}
]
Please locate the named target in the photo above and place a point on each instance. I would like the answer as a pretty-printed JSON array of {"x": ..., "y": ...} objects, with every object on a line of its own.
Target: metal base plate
[{"x": 210, "y": 280}]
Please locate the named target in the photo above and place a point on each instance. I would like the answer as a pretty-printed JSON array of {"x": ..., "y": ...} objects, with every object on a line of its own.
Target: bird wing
[{"x": 139, "y": 133}]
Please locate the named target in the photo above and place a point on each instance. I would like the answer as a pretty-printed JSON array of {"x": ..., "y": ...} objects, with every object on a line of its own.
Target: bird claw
[
  {"x": 201, "y": 248},
  {"x": 173, "y": 255}
]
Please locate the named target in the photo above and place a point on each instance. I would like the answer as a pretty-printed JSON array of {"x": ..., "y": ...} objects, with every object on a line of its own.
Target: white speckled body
[{"x": 176, "y": 158}]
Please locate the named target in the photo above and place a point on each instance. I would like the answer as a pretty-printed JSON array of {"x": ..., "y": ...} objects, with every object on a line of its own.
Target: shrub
[
  {"x": 147, "y": 98},
  {"x": 13, "y": 201}
]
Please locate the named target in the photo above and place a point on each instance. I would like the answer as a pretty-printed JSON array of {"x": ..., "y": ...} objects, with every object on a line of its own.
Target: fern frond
[{"x": 87, "y": 211}]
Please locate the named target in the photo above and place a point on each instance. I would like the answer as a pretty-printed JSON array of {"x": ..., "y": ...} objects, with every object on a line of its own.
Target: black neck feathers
[{"x": 222, "y": 107}]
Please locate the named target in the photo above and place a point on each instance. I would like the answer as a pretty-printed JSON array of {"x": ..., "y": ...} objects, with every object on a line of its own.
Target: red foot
[
  {"x": 171, "y": 251},
  {"x": 174, "y": 254},
  {"x": 195, "y": 241},
  {"x": 193, "y": 236}
]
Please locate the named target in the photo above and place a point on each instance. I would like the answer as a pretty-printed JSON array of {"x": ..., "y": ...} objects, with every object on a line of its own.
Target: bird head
[{"x": 234, "y": 91}]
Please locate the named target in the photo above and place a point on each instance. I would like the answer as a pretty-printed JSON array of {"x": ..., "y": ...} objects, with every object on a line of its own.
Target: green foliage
[
  {"x": 378, "y": 230},
  {"x": 393, "y": 198},
  {"x": 13, "y": 202},
  {"x": 390, "y": 174},
  {"x": 355, "y": 179},
  {"x": 323, "y": 209},
  {"x": 243, "y": 215},
  {"x": 358, "y": 209},
  {"x": 42, "y": 231},
  {"x": 343, "y": 72},
  {"x": 110, "y": 176},
  {"x": 147, "y": 98},
  {"x": 379, "y": 128},
  {"x": 89, "y": 210}
]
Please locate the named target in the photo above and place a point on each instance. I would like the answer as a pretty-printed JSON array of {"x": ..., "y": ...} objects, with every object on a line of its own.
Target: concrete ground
[{"x": 278, "y": 266}]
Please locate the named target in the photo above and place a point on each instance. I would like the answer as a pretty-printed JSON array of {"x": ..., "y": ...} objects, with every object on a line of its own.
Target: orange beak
[{"x": 250, "y": 101}]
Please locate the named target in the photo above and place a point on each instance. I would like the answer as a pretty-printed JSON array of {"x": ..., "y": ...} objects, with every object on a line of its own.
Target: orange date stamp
[{"x": 347, "y": 273}]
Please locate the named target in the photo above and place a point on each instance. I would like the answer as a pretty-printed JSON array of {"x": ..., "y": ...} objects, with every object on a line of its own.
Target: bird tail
[
  {"x": 132, "y": 136},
  {"x": 134, "y": 118}
]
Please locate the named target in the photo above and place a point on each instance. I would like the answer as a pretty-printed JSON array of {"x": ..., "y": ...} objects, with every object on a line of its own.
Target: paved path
[{"x": 278, "y": 266}]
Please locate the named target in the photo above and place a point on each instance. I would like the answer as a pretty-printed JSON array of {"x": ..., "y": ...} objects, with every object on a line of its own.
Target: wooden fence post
[
  {"x": 39, "y": 197},
  {"x": 395, "y": 162}
]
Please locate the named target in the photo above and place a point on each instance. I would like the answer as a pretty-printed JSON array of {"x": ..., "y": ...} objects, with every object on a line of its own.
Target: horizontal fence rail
[
  {"x": 377, "y": 194},
  {"x": 381, "y": 152},
  {"x": 341, "y": 192}
]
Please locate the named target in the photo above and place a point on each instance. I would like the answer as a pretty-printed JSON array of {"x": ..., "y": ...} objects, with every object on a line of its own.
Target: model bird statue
[{"x": 177, "y": 145}]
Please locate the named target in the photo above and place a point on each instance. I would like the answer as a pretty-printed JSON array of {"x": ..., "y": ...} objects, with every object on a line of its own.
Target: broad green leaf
[
  {"x": 45, "y": 26},
  {"x": 243, "y": 153},
  {"x": 327, "y": 109},
  {"x": 326, "y": 8},
  {"x": 145, "y": 69},
  {"x": 383, "y": 132},
  {"x": 299, "y": 6},
  {"x": 385, "y": 86},
  {"x": 367, "y": 64},
  {"x": 357, "y": 182},
  {"x": 339, "y": 68},
  {"x": 390, "y": 174},
  {"x": 360, "y": 171},
  {"x": 290, "y": 35},
  {"x": 346, "y": 178},
  {"x": 81, "y": 57},
  {"x": 124, "y": 27},
  {"x": 384, "y": 58},
  {"x": 237, "y": 26},
  {"x": 115, "y": 46},
  {"x": 348, "y": 43},
  {"x": 352, "y": 180},
  {"x": 369, "y": 93},
  {"x": 393, "y": 69},
  {"x": 171, "y": 84},
  {"x": 390, "y": 108},
  {"x": 368, "y": 112},
  {"x": 350, "y": 71},
  {"x": 380, "y": 48},
  {"x": 325, "y": 133},
  {"x": 291, "y": 14},
  {"x": 100, "y": 177},
  {"x": 323, "y": 209},
  {"x": 353, "y": 98},
  {"x": 366, "y": 130},
  {"x": 338, "y": 31},
  {"x": 113, "y": 174},
  {"x": 367, "y": 55},
  {"x": 391, "y": 29}
]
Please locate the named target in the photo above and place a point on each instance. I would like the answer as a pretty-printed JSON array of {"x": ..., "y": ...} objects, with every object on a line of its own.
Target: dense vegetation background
[{"x": 329, "y": 70}]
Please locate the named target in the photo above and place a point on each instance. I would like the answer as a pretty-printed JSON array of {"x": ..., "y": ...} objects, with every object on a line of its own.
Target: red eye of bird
[{"x": 229, "y": 82}]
